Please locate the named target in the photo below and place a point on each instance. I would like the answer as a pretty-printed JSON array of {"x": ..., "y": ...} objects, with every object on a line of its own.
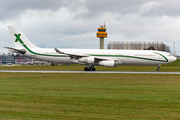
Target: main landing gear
[
  {"x": 90, "y": 68},
  {"x": 158, "y": 69}
]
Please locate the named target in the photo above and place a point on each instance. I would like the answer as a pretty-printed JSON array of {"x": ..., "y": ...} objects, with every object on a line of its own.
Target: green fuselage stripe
[
  {"x": 18, "y": 39},
  {"x": 134, "y": 57},
  {"x": 166, "y": 60},
  {"x": 43, "y": 54}
]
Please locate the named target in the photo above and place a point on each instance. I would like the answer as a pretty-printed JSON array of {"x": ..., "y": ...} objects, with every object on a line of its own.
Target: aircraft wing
[
  {"x": 71, "y": 55},
  {"x": 21, "y": 51},
  {"x": 77, "y": 56}
]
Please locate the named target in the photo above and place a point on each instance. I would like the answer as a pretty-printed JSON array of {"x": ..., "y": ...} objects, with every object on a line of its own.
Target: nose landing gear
[{"x": 158, "y": 69}]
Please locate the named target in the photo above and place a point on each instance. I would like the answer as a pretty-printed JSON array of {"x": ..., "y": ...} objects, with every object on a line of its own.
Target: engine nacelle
[
  {"x": 107, "y": 63},
  {"x": 86, "y": 60}
]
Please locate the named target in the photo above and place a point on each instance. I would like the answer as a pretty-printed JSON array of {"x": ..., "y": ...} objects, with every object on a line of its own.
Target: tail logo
[{"x": 18, "y": 38}]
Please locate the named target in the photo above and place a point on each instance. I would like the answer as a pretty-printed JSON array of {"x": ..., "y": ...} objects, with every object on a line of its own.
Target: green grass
[
  {"x": 172, "y": 67},
  {"x": 89, "y": 96}
]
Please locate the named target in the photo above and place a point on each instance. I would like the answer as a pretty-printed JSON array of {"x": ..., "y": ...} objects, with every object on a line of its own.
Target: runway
[{"x": 105, "y": 72}]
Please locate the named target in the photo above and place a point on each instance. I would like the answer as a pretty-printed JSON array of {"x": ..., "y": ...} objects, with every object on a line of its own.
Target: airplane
[{"x": 89, "y": 57}]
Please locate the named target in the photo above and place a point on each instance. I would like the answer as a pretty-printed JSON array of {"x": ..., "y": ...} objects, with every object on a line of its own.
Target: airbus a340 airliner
[{"x": 89, "y": 57}]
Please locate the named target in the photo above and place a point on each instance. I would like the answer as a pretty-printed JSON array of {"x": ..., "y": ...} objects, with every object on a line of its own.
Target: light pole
[{"x": 174, "y": 50}]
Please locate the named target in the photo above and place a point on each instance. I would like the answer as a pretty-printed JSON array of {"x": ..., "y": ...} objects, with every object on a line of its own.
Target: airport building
[
  {"x": 138, "y": 46},
  {"x": 20, "y": 60},
  {"x": 6, "y": 59},
  {"x": 178, "y": 56}
]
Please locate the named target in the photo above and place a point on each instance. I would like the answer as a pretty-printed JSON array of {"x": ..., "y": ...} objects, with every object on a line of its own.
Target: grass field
[
  {"x": 89, "y": 96},
  {"x": 172, "y": 67}
]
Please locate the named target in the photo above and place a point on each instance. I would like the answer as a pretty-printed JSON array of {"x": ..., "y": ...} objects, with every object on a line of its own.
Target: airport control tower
[{"x": 102, "y": 34}]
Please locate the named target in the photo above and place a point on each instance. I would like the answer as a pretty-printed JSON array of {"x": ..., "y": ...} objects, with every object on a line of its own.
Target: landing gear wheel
[
  {"x": 158, "y": 69},
  {"x": 92, "y": 68},
  {"x": 86, "y": 69}
]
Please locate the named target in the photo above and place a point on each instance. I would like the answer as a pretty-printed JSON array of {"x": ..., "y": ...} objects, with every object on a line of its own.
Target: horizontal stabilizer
[{"x": 21, "y": 51}]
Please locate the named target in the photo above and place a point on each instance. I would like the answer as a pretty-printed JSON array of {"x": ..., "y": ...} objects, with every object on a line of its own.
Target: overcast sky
[{"x": 74, "y": 23}]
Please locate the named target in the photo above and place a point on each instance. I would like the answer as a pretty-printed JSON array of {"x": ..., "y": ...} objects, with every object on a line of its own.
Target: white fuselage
[
  {"x": 89, "y": 57},
  {"x": 121, "y": 57}
]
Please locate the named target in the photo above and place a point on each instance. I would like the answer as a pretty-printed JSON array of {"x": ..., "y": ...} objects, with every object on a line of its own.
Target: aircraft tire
[
  {"x": 93, "y": 69},
  {"x": 86, "y": 69},
  {"x": 158, "y": 69}
]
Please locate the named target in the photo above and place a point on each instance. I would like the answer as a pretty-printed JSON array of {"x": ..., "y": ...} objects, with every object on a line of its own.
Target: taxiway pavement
[{"x": 118, "y": 72}]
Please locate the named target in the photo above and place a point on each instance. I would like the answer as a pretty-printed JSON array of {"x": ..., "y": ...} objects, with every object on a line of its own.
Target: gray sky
[{"x": 74, "y": 23}]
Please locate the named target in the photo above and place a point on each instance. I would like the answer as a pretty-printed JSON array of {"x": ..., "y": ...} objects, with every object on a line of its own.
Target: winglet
[{"x": 58, "y": 51}]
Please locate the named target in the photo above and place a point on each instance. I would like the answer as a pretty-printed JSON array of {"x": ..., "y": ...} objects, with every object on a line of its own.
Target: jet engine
[
  {"x": 107, "y": 63},
  {"x": 89, "y": 60}
]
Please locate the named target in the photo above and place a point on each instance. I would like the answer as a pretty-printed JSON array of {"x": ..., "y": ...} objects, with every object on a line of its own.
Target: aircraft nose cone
[{"x": 173, "y": 59}]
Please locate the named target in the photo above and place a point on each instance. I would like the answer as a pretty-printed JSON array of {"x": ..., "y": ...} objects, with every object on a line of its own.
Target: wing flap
[
  {"x": 77, "y": 56},
  {"x": 71, "y": 55}
]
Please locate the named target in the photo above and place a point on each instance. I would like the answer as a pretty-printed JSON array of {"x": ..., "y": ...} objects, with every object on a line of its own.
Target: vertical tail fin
[{"x": 19, "y": 38}]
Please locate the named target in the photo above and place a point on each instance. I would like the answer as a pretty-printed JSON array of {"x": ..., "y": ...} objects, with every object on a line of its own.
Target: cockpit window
[{"x": 169, "y": 55}]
